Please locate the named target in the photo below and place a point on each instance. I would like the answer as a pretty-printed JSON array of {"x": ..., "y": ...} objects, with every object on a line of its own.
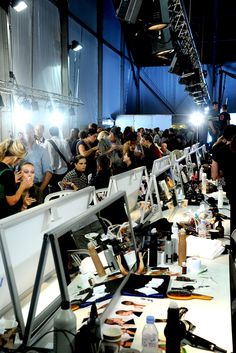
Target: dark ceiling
[
  {"x": 212, "y": 23},
  {"x": 135, "y": 17}
]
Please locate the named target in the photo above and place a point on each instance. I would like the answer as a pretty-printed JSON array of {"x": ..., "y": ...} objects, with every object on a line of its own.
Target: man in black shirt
[
  {"x": 224, "y": 119},
  {"x": 223, "y": 162}
]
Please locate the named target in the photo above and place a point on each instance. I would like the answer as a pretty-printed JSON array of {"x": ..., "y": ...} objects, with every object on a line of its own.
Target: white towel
[{"x": 205, "y": 248}]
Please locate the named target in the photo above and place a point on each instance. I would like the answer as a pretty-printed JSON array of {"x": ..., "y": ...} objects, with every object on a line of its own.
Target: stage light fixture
[
  {"x": 193, "y": 88},
  {"x": 162, "y": 43},
  {"x": 26, "y": 104},
  {"x": 160, "y": 16},
  {"x": 19, "y": 5},
  {"x": 187, "y": 72},
  {"x": 75, "y": 45},
  {"x": 72, "y": 111},
  {"x": 35, "y": 105},
  {"x": 175, "y": 66},
  {"x": 128, "y": 10}
]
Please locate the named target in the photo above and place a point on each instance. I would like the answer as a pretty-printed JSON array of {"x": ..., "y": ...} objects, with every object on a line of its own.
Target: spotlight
[
  {"x": 1, "y": 102},
  {"x": 194, "y": 88},
  {"x": 196, "y": 118},
  {"x": 155, "y": 15},
  {"x": 188, "y": 72},
  {"x": 56, "y": 118},
  {"x": 19, "y": 5},
  {"x": 72, "y": 111},
  {"x": 75, "y": 45},
  {"x": 49, "y": 107},
  {"x": 35, "y": 105},
  {"x": 162, "y": 45},
  {"x": 26, "y": 104}
]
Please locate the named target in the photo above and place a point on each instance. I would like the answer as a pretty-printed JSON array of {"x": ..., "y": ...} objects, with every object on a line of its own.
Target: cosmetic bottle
[
  {"x": 94, "y": 328},
  {"x": 153, "y": 261},
  {"x": 96, "y": 260},
  {"x": 168, "y": 250},
  {"x": 175, "y": 240},
  {"x": 204, "y": 183},
  {"x": 182, "y": 247},
  {"x": 202, "y": 230},
  {"x": 220, "y": 229},
  {"x": 174, "y": 330}
]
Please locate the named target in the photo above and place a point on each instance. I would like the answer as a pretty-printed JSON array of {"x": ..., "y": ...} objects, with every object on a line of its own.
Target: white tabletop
[{"x": 211, "y": 318}]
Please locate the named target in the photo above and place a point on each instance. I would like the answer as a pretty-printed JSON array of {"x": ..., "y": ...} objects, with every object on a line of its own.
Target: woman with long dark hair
[{"x": 77, "y": 178}]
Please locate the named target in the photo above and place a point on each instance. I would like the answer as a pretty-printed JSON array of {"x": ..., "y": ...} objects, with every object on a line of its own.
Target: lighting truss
[{"x": 183, "y": 40}]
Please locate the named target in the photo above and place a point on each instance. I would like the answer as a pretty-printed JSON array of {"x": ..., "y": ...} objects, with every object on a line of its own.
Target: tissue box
[{"x": 8, "y": 330}]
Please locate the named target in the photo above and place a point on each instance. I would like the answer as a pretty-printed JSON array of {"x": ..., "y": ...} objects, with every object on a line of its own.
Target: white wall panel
[{"x": 146, "y": 121}]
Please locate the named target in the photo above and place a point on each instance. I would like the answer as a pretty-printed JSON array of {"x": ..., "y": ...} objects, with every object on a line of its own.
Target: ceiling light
[
  {"x": 19, "y": 5},
  {"x": 75, "y": 45}
]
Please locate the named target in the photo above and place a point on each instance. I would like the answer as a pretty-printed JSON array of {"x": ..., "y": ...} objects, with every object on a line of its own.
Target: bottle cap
[
  {"x": 150, "y": 319},
  {"x": 153, "y": 231},
  {"x": 65, "y": 305},
  {"x": 182, "y": 231}
]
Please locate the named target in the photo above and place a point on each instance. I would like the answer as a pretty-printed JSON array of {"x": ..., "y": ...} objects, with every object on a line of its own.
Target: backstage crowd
[{"x": 31, "y": 166}]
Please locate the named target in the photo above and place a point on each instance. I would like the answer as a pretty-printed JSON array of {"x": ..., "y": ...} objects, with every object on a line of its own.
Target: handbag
[{"x": 70, "y": 166}]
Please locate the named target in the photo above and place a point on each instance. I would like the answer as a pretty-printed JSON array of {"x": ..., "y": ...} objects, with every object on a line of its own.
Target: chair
[
  {"x": 78, "y": 255},
  {"x": 57, "y": 194},
  {"x": 61, "y": 186}
]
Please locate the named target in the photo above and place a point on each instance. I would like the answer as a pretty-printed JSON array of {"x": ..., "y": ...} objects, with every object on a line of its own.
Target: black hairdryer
[{"x": 201, "y": 343}]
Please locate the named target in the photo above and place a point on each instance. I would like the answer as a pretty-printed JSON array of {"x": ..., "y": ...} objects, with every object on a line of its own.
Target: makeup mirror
[{"x": 106, "y": 225}]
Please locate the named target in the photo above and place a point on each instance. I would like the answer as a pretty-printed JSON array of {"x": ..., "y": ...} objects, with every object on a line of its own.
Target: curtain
[{"x": 36, "y": 46}]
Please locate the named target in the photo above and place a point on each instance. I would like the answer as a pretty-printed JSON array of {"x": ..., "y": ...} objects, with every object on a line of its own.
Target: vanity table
[{"x": 212, "y": 318}]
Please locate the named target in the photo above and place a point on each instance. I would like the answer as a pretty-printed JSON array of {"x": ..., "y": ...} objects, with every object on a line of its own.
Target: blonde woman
[{"x": 11, "y": 153}]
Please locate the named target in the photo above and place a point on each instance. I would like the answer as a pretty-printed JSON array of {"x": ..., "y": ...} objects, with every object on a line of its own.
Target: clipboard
[{"x": 139, "y": 281}]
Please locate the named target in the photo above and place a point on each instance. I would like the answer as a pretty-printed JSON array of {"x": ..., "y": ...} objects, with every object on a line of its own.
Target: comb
[{"x": 186, "y": 295}]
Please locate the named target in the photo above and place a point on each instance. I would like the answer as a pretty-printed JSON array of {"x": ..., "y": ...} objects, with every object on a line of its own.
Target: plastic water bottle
[
  {"x": 204, "y": 183},
  {"x": 202, "y": 230},
  {"x": 220, "y": 197},
  {"x": 150, "y": 336},
  {"x": 200, "y": 174},
  {"x": 64, "y": 330}
]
